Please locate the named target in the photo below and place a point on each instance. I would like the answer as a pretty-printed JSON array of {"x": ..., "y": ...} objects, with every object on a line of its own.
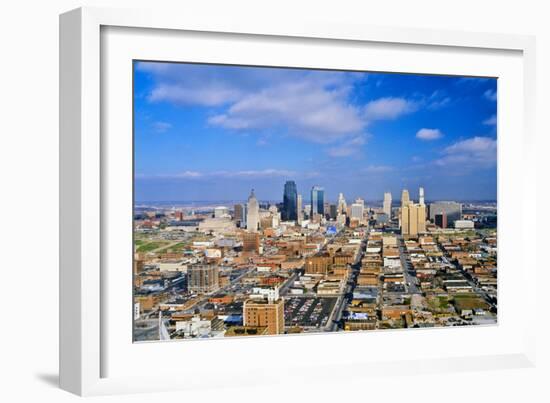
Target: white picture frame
[{"x": 86, "y": 296}]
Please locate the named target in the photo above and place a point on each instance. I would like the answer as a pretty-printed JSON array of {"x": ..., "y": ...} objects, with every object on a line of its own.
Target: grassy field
[
  {"x": 143, "y": 246},
  {"x": 469, "y": 301},
  {"x": 438, "y": 304}
]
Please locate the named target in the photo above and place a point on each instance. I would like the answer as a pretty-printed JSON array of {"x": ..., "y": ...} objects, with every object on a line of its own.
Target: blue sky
[{"x": 212, "y": 132}]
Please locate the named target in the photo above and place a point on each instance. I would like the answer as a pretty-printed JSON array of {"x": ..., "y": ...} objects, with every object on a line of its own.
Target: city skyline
[{"x": 211, "y": 133}]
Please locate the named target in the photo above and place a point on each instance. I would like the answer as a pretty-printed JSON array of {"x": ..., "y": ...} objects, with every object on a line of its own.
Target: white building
[
  {"x": 342, "y": 206},
  {"x": 357, "y": 210},
  {"x": 196, "y": 327},
  {"x": 464, "y": 224},
  {"x": 269, "y": 293},
  {"x": 387, "y": 204},
  {"x": 221, "y": 211}
]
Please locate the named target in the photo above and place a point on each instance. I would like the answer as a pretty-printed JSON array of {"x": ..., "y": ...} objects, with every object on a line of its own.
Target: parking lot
[{"x": 308, "y": 312}]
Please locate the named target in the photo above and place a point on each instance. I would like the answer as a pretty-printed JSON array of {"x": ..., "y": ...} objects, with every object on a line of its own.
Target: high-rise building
[
  {"x": 413, "y": 219},
  {"x": 202, "y": 278},
  {"x": 253, "y": 213},
  {"x": 317, "y": 200},
  {"x": 441, "y": 220},
  {"x": 265, "y": 313},
  {"x": 333, "y": 211},
  {"x": 387, "y": 204},
  {"x": 240, "y": 214},
  {"x": 326, "y": 209},
  {"x": 299, "y": 212},
  {"x": 290, "y": 202},
  {"x": 421, "y": 196},
  {"x": 453, "y": 210},
  {"x": 357, "y": 211},
  {"x": 405, "y": 199},
  {"x": 251, "y": 242},
  {"x": 342, "y": 205}
]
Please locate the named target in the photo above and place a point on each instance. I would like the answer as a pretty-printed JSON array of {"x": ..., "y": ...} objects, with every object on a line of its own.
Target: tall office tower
[
  {"x": 405, "y": 199},
  {"x": 326, "y": 209},
  {"x": 342, "y": 206},
  {"x": 441, "y": 220},
  {"x": 265, "y": 313},
  {"x": 387, "y": 204},
  {"x": 333, "y": 211},
  {"x": 421, "y": 196},
  {"x": 453, "y": 210},
  {"x": 422, "y": 218},
  {"x": 357, "y": 211},
  {"x": 202, "y": 278},
  {"x": 240, "y": 214},
  {"x": 413, "y": 219},
  {"x": 253, "y": 213},
  {"x": 299, "y": 212},
  {"x": 290, "y": 202},
  {"x": 317, "y": 200}
]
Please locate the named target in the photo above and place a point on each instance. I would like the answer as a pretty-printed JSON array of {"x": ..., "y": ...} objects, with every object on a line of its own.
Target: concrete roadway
[
  {"x": 341, "y": 303},
  {"x": 410, "y": 279}
]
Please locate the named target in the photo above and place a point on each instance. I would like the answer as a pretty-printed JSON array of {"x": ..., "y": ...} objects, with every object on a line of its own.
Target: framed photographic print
[
  {"x": 248, "y": 221},
  {"x": 328, "y": 196}
]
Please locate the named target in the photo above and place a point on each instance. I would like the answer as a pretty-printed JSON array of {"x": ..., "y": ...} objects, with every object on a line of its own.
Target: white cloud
[
  {"x": 309, "y": 105},
  {"x": 161, "y": 127},
  {"x": 348, "y": 148},
  {"x": 429, "y": 134},
  {"x": 209, "y": 95},
  {"x": 437, "y": 100},
  {"x": 389, "y": 108},
  {"x": 476, "y": 152},
  {"x": 491, "y": 121},
  {"x": 490, "y": 95},
  {"x": 378, "y": 169},
  {"x": 309, "y": 108},
  {"x": 189, "y": 174}
]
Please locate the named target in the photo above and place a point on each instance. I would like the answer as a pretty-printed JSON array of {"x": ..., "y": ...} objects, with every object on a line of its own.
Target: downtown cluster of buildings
[{"x": 257, "y": 268}]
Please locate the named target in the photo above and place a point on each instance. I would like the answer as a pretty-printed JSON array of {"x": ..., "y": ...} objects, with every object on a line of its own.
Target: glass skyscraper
[
  {"x": 317, "y": 200},
  {"x": 290, "y": 202}
]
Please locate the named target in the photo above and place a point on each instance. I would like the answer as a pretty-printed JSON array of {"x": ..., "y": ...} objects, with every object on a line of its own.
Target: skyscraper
[
  {"x": 405, "y": 200},
  {"x": 357, "y": 211},
  {"x": 387, "y": 204},
  {"x": 421, "y": 196},
  {"x": 317, "y": 200},
  {"x": 253, "y": 213},
  {"x": 412, "y": 216},
  {"x": 299, "y": 212},
  {"x": 238, "y": 214},
  {"x": 290, "y": 202},
  {"x": 342, "y": 205}
]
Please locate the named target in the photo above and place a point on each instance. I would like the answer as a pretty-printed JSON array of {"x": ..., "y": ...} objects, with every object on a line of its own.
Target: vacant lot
[{"x": 469, "y": 301}]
